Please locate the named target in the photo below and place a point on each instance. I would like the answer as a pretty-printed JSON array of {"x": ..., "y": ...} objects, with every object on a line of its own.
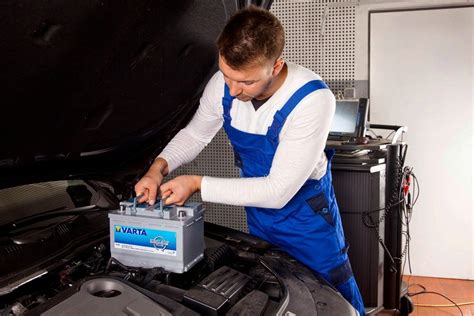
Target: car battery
[{"x": 170, "y": 237}]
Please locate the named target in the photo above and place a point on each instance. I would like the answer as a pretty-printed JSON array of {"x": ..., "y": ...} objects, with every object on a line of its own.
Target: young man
[{"x": 277, "y": 116}]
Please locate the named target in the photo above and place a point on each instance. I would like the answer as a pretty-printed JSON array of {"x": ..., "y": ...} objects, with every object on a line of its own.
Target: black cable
[
  {"x": 373, "y": 211},
  {"x": 374, "y": 133},
  {"x": 395, "y": 194},
  {"x": 411, "y": 204},
  {"x": 406, "y": 209},
  {"x": 396, "y": 198},
  {"x": 406, "y": 218},
  {"x": 121, "y": 265},
  {"x": 436, "y": 293},
  {"x": 389, "y": 134},
  {"x": 423, "y": 289}
]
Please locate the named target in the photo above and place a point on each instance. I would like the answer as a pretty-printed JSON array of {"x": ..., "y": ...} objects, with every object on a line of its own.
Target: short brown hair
[{"x": 252, "y": 35}]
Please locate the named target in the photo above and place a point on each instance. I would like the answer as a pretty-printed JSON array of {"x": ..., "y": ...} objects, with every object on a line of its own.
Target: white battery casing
[{"x": 172, "y": 238}]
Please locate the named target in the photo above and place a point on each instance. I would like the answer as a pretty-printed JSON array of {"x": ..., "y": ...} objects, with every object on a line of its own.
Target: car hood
[{"x": 95, "y": 89}]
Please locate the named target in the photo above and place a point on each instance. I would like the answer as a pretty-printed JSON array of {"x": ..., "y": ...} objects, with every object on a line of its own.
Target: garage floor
[{"x": 459, "y": 291}]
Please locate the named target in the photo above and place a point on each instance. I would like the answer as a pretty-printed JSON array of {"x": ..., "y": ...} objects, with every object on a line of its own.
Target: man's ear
[{"x": 278, "y": 66}]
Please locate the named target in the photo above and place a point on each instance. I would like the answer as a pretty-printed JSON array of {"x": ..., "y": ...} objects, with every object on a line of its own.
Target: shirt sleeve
[
  {"x": 302, "y": 142},
  {"x": 204, "y": 125}
]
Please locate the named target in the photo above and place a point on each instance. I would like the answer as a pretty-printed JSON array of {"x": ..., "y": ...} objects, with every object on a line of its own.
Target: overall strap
[
  {"x": 282, "y": 114},
  {"x": 227, "y": 104}
]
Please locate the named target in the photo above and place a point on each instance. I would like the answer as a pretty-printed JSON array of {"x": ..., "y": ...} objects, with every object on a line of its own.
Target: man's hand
[
  {"x": 148, "y": 185},
  {"x": 180, "y": 189}
]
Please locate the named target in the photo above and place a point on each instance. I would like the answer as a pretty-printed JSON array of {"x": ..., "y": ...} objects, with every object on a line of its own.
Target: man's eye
[{"x": 248, "y": 83}]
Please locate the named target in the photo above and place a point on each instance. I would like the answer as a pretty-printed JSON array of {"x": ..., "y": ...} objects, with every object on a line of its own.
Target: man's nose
[{"x": 234, "y": 89}]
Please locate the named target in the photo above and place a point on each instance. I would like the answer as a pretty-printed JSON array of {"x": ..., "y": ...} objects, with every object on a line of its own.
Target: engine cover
[{"x": 106, "y": 296}]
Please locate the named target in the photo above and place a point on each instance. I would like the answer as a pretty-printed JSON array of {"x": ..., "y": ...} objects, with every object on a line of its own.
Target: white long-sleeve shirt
[{"x": 300, "y": 153}]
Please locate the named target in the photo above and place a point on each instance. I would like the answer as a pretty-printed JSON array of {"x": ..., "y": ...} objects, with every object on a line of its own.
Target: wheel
[{"x": 406, "y": 305}]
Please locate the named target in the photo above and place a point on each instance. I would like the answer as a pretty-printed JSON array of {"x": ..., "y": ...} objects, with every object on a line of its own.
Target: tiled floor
[{"x": 457, "y": 290}]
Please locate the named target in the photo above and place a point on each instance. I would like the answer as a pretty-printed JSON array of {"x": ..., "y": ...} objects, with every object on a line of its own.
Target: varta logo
[{"x": 130, "y": 230}]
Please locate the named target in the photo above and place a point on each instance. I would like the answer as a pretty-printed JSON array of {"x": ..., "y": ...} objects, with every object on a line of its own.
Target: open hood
[{"x": 95, "y": 89}]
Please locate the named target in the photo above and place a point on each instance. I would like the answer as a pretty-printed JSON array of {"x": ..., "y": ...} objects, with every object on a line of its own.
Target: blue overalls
[{"x": 309, "y": 226}]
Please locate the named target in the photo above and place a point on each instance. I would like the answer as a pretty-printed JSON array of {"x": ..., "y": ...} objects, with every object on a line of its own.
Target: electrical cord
[
  {"x": 424, "y": 291},
  {"x": 390, "y": 134},
  {"x": 407, "y": 214},
  {"x": 379, "y": 136},
  {"x": 400, "y": 196},
  {"x": 373, "y": 211},
  {"x": 397, "y": 198},
  {"x": 445, "y": 305},
  {"x": 373, "y": 133}
]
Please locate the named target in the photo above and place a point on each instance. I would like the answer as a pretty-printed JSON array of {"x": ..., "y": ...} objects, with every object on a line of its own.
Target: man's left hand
[{"x": 180, "y": 189}]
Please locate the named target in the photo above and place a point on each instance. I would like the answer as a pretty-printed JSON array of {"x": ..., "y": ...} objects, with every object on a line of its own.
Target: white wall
[{"x": 421, "y": 75}]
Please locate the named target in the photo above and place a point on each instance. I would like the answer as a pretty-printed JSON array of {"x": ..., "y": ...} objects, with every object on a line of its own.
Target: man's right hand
[{"x": 149, "y": 184}]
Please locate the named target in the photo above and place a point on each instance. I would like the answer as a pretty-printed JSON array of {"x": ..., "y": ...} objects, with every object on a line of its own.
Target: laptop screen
[{"x": 350, "y": 119}]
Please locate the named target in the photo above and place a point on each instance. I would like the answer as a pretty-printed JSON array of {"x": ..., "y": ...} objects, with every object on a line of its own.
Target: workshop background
[{"x": 414, "y": 60}]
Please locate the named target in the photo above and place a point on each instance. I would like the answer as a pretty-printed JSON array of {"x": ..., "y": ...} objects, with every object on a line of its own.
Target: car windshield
[{"x": 32, "y": 199}]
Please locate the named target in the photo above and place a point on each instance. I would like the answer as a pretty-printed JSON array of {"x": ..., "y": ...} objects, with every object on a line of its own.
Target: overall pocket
[{"x": 319, "y": 204}]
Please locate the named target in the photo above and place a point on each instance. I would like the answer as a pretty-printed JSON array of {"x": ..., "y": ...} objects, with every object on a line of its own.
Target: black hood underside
[{"x": 95, "y": 89}]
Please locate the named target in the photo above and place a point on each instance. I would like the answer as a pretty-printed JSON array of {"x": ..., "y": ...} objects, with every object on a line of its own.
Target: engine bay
[
  {"x": 60, "y": 261},
  {"x": 94, "y": 282}
]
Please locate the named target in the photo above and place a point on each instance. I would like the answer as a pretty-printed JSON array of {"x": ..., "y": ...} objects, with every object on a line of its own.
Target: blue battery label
[{"x": 145, "y": 240}]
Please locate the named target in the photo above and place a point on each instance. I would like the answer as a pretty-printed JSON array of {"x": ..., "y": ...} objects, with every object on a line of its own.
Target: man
[{"x": 277, "y": 116}]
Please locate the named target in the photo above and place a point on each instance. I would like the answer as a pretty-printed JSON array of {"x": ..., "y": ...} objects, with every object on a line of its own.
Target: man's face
[{"x": 251, "y": 82}]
